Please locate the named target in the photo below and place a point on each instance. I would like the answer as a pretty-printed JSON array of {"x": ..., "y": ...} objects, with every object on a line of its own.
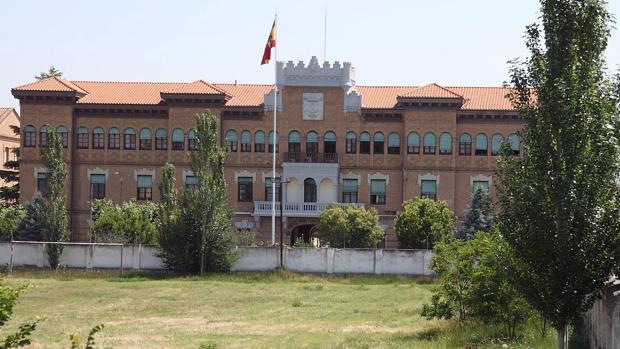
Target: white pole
[
  {"x": 275, "y": 138},
  {"x": 325, "y": 37}
]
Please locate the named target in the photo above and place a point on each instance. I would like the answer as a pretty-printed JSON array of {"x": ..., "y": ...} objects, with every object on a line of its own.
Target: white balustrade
[{"x": 296, "y": 209}]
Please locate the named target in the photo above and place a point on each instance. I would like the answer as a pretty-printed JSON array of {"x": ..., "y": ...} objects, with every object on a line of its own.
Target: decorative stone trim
[
  {"x": 350, "y": 175},
  {"x": 352, "y": 101},
  {"x": 245, "y": 173},
  {"x": 379, "y": 175},
  {"x": 38, "y": 170},
  {"x": 187, "y": 173},
  {"x": 268, "y": 174},
  {"x": 245, "y": 224},
  {"x": 143, "y": 172},
  {"x": 428, "y": 177},
  {"x": 480, "y": 177},
  {"x": 268, "y": 101},
  {"x": 96, "y": 170}
]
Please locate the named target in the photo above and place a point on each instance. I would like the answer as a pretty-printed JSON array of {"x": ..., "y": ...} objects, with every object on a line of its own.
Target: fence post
[
  {"x": 11, "y": 261},
  {"x": 122, "y": 248}
]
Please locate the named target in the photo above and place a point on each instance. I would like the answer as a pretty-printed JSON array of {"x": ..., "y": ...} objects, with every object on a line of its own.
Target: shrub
[
  {"x": 8, "y": 299},
  {"x": 478, "y": 215},
  {"x": 129, "y": 222},
  {"x": 10, "y": 217},
  {"x": 349, "y": 226},
  {"x": 422, "y": 222},
  {"x": 29, "y": 228}
]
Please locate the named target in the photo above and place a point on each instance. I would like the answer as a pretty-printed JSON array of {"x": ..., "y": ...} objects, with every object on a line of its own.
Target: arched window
[
  {"x": 378, "y": 143},
  {"x": 246, "y": 141},
  {"x": 481, "y": 144},
  {"x": 191, "y": 140},
  {"x": 309, "y": 190},
  {"x": 64, "y": 135},
  {"x": 294, "y": 145},
  {"x": 413, "y": 143},
  {"x": 161, "y": 139},
  {"x": 129, "y": 142},
  {"x": 259, "y": 141},
  {"x": 429, "y": 143},
  {"x": 30, "y": 136},
  {"x": 351, "y": 142},
  {"x": 445, "y": 144},
  {"x": 329, "y": 142},
  {"x": 393, "y": 143},
  {"x": 178, "y": 139},
  {"x": 43, "y": 136},
  {"x": 114, "y": 138},
  {"x": 98, "y": 142},
  {"x": 364, "y": 143},
  {"x": 496, "y": 144},
  {"x": 515, "y": 142},
  {"x": 145, "y": 139},
  {"x": 312, "y": 143},
  {"x": 82, "y": 138},
  {"x": 465, "y": 144},
  {"x": 231, "y": 140},
  {"x": 271, "y": 141}
]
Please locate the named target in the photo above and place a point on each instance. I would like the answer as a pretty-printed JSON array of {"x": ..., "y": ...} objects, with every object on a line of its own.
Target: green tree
[
  {"x": 52, "y": 71},
  {"x": 10, "y": 217},
  {"x": 349, "y": 226},
  {"x": 129, "y": 222},
  {"x": 422, "y": 222},
  {"x": 8, "y": 299},
  {"x": 559, "y": 202},
  {"x": 478, "y": 215},
  {"x": 194, "y": 235},
  {"x": 474, "y": 283},
  {"x": 52, "y": 214},
  {"x": 10, "y": 174},
  {"x": 30, "y": 228}
]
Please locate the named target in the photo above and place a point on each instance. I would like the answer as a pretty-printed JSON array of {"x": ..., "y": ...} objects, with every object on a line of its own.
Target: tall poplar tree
[
  {"x": 559, "y": 202},
  {"x": 52, "y": 213}
]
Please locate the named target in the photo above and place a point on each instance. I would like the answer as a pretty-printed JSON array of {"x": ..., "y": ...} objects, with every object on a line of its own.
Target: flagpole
[{"x": 275, "y": 139}]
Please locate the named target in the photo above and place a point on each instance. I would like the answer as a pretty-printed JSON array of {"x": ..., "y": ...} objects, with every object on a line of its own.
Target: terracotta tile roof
[
  {"x": 53, "y": 84},
  {"x": 251, "y": 95},
  {"x": 5, "y": 112},
  {"x": 196, "y": 87},
  {"x": 430, "y": 91},
  {"x": 245, "y": 94}
]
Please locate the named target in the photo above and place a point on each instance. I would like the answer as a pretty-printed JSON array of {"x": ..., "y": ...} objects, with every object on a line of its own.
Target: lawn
[{"x": 257, "y": 310}]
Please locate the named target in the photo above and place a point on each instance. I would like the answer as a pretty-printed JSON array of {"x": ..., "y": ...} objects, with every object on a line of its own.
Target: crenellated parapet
[{"x": 314, "y": 74}]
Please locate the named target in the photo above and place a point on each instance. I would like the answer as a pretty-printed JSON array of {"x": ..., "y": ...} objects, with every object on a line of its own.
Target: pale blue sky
[{"x": 450, "y": 42}]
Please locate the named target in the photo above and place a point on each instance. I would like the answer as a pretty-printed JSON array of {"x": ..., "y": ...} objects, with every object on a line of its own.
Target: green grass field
[{"x": 258, "y": 310}]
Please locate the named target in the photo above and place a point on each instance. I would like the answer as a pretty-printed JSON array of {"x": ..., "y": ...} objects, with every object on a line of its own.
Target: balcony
[
  {"x": 322, "y": 158},
  {"x": 296, "y": 209}
]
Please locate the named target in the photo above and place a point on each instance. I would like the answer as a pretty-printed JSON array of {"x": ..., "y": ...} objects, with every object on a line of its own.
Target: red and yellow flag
[{"x": 271, "y": 43}]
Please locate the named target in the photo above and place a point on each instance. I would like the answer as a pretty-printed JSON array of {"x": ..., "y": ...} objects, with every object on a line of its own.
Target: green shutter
[
  {"x": 191, "y": 180},
  {"x": 245, "y": 180},
  {"x": 349, "y": 186},
  {"x": 97, "y": 179},
  {"x": 429, "y": 187},
  {"x": 145, "y": 181},
  {"x": 377, "y": 187}
]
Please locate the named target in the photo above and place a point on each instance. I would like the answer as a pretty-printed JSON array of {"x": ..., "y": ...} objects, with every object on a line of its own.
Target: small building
[
  {"x": 9, "y": 141},
  {"x": 336, "y": 142}
]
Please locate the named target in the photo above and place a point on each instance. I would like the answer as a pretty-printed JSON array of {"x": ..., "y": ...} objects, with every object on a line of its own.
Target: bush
[
  {"x": 8, "y": 299},
  {"x": 349, "y": 226},
  {"x": 128, "y": 222},
  {"x": 29, "y": 228},
  {"x": 474, "y": 283},
  {"x": 422, "y": 222},
  {"x": 10, "y": 217},
  {"x": 478, "y": 215}
]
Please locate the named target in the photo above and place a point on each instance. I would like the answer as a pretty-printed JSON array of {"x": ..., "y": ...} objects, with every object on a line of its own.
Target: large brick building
[{"x": 373, "y": 146}]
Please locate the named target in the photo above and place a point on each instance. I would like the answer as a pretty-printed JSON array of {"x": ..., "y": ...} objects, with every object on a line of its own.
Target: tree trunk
[{"x": 562, "y": 337}]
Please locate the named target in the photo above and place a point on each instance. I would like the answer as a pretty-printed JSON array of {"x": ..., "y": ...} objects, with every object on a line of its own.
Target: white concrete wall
[
  {"x": 303, "y": 260},
  {"x": 602, "y": 321}
]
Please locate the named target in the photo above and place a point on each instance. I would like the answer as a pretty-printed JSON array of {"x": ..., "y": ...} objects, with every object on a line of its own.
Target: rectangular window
[
  {"x": 161, "y": 143},
  {"x": 42, "y": 183},
  {"x": 178, "y": 145},
  {"x": 65, "y": 139},
  {"x": 351, "y": 146},
  {"x": 259, "y": 147},
  {"x": 97, "y": 140},
  {"x": 191, "y": 144},
  {"x": 245, "y": 189},
  {"x": 6, "y": 155},
  {"x": 429, "y": 149},
  {"x": 483, "y": 185},
  {"x": 191, "y": 182},
  {"x": 82, "y": 140},
  {"x": 429, "y": 189},
  {"x": 114, "y": 141},
  {"x": 377, "y": 191},
  {"x": 393, "y": 149},
  {"x": 413, "y": 149},
  {"x": 269, "y": 190},
  {"x": 246, "y": 147},
  {"x": 364, "y": 147},
  {"x": 378, "y": 147},
  {"x": 349, "y": 190},
  {"x": 146, "y": 144},
  {"x": 97, "y": 186},
  {"x": 30, "y": 139},
  {"x": 294, "y": 148},
  {"x": 465, "y": 148},
  {"x": 43, "y": 139},
  {"x": 312, "y": 147},
  {"x": 130, "y": 142},
  {"x": 145, "y": 188}
]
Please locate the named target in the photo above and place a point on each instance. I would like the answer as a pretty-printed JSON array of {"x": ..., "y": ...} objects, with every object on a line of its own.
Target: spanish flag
[{"x": 271, "y": 43}]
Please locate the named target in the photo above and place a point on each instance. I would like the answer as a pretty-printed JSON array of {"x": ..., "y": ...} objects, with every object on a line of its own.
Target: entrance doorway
[{"x": 304, "y": 232}]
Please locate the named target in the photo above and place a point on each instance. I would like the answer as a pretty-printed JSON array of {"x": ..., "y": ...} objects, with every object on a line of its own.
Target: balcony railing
[
  {"x": 325, "y": 158},
  {"x": 296, "y": 209}
]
